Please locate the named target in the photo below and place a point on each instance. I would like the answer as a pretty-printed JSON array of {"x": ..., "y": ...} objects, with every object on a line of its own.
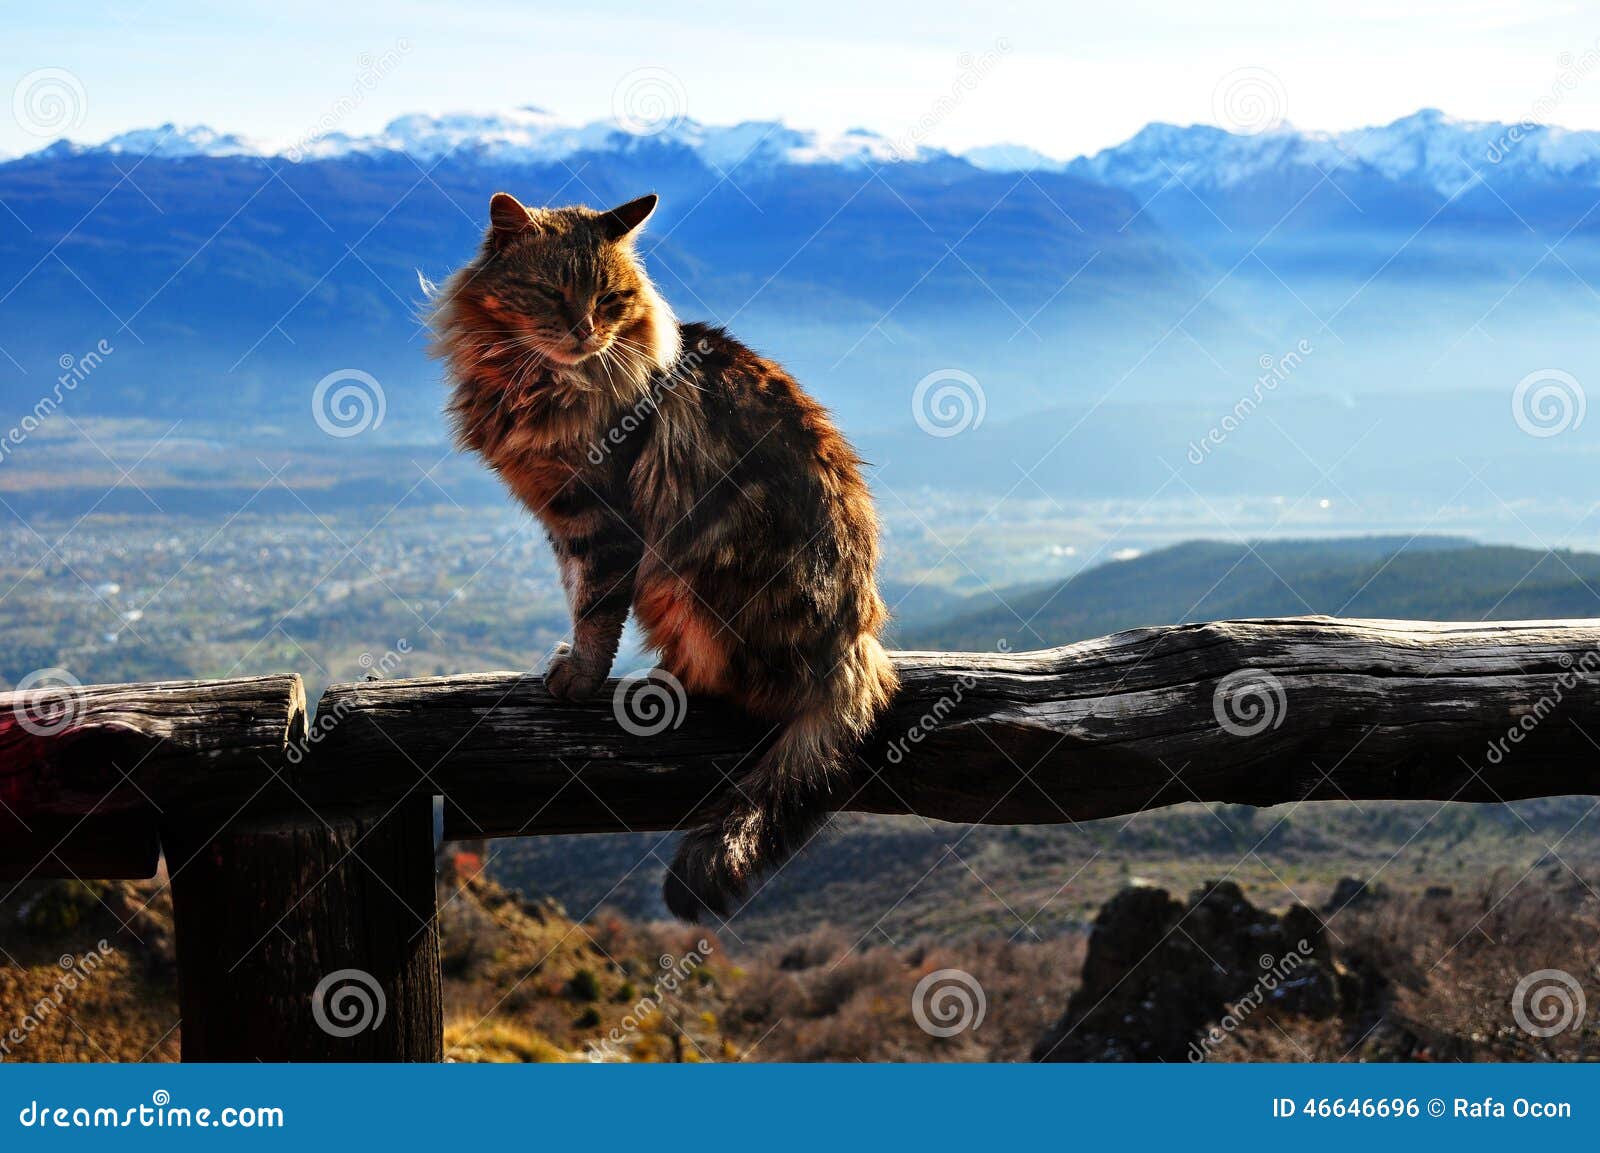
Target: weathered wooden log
[
  {"x": 113, "y": 847},
  {"x": 1254, "y": 712},
  {"x": 308, "y": 937},
  {"x": 302, "y": 933},
  {"x": 85, "y": 770}
]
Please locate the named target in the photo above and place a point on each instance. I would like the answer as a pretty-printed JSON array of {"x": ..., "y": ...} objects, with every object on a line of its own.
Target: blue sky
[{"x": 1071, "y": 77}]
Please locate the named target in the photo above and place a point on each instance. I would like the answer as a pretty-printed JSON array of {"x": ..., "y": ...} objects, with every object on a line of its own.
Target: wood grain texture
[
  {"x": 308, "y": 939},
  {"x": 1316, "y": 708},
  {"x": 86, "y": 770}
]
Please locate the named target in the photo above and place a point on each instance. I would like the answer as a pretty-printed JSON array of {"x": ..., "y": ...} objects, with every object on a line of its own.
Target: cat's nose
[{"x": 584, "y": 329}]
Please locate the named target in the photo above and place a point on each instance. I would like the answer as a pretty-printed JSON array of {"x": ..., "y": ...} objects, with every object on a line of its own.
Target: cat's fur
[{"x": 679, "y": 473}]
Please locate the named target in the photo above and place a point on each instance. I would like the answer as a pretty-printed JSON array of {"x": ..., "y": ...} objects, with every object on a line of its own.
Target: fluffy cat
[{"x": 682, "y": 475}]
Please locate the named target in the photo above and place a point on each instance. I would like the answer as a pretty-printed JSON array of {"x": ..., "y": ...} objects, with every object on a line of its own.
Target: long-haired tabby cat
[{"x": 679, "y": 473}]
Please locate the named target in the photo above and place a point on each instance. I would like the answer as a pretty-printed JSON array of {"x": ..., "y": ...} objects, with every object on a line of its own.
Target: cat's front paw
[{"x": 569, "y": 677}]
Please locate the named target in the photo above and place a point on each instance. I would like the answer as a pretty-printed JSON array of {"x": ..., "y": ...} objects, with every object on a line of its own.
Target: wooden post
[
  {"x": 306, "y": 937},
  {"x": 304, "y": 892}
]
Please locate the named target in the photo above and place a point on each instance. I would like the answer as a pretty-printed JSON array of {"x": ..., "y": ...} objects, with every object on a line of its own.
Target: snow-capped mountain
[
  {"x": 1128, "y": 266},
  {"x": 1011, "y": 158},
  {"x": 167, "y": 141},
  {"x": 1447, "y": 153},
  {"x": 526, "y": 135},
  {"x": 1427, "y": 148}
]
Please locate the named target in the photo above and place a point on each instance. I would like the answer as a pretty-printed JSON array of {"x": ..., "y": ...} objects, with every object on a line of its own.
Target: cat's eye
[{"x": 613, "y": 297}]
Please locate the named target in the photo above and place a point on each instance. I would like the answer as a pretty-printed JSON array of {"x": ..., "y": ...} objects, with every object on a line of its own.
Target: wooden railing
[{"x": 298, "y": 848}]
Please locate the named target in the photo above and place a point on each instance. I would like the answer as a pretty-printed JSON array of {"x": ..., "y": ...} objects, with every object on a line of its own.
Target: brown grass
[{"x": 523, "y": 982}]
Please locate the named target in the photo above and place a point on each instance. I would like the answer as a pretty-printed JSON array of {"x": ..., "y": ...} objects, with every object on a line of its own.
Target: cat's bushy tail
[{"x": 772, "y": 812}]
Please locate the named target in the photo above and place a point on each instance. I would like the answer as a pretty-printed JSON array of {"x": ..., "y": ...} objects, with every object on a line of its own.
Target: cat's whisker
[{"x": 536, "y": 413}]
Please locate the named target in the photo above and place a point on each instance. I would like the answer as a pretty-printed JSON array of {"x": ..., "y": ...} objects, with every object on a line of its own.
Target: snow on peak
[
  {"x": 527, "y": 135},
  {"x": 171, "y": 141},
  {"x": 1427, "y": 147},
  {"x": 1160, "y": 154},
  {"x": 521, "y": 135},
  {"x": 1448, "y": 153},
  {"x": 1011, "y": 158},
  {"x": 532, "y": 135}
]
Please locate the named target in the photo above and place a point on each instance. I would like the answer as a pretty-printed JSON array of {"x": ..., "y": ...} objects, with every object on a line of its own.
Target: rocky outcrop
[{"x": 1166, "y": 980}]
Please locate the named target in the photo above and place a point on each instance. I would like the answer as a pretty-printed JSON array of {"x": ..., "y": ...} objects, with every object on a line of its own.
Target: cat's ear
[
  {"x": 508, "y": 219},
  {"x": 626, "y": 218}
]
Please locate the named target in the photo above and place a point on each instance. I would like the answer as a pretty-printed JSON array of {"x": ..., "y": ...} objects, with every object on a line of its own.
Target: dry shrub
[
  {"x": 825, "y": 997},
  {"x": 1448, "y": 967}
]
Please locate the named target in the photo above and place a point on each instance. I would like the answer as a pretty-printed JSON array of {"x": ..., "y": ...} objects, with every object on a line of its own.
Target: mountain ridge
[{"x": 1426, "y": 147}]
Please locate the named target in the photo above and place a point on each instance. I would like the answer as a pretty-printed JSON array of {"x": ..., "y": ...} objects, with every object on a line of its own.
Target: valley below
[{"x": 549, "y": 941}]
